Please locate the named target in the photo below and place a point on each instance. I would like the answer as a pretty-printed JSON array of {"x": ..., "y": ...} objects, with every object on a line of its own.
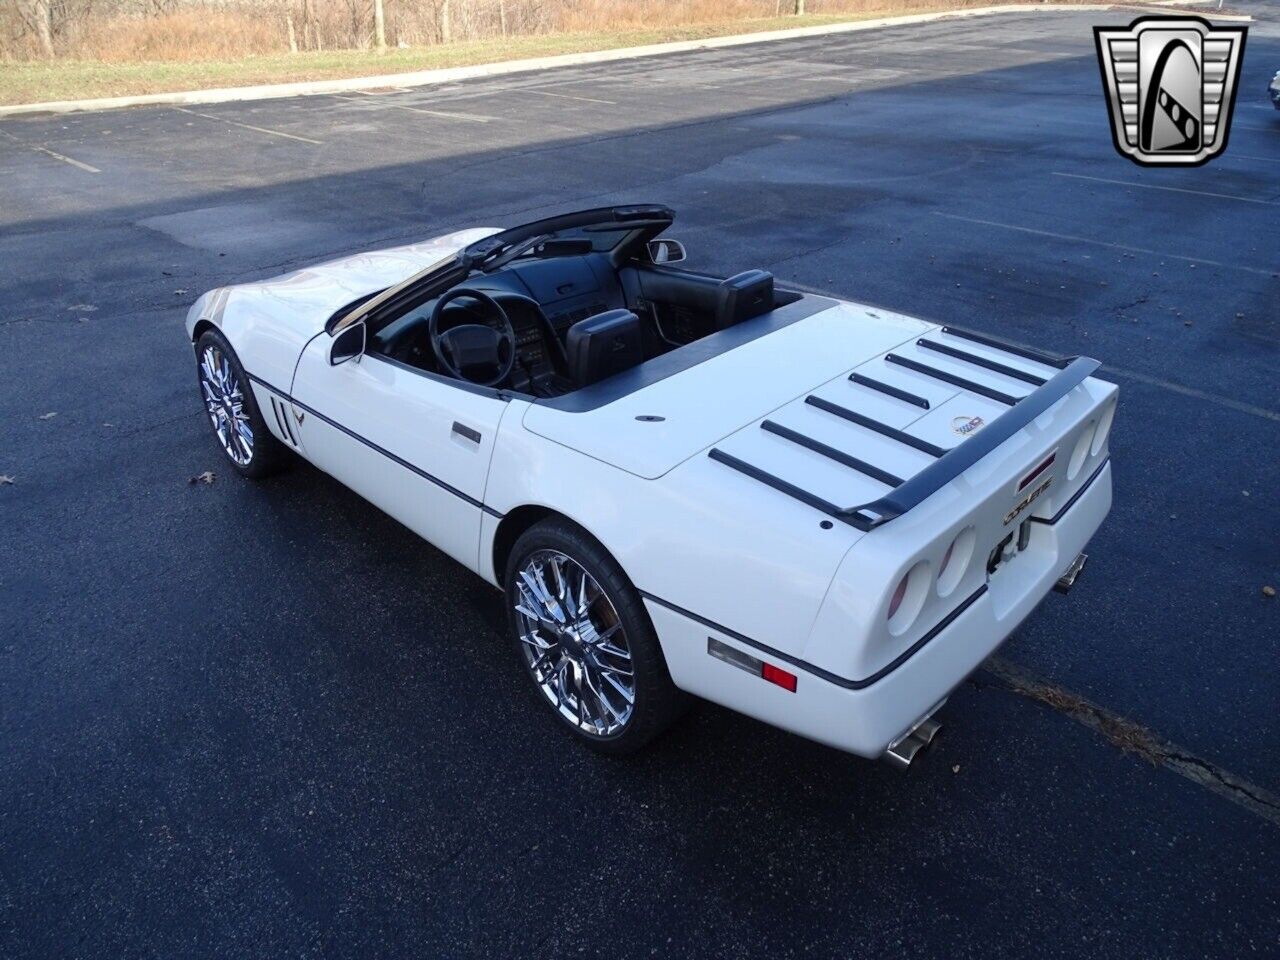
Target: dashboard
[{"x": 542, "y": 298}]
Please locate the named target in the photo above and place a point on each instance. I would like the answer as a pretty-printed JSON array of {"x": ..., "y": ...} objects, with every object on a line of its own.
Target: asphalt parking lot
[{"x": 265, "y": 720}]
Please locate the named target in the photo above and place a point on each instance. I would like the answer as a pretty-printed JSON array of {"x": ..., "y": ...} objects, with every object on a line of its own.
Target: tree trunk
[
  {"x": 444, "y": 21},
  {"x": 293, "y": 36},
  {"x": 502, "y": 16},
  {"x": 379, "y": 27},
  {"x": 44, "y": 26},
  {"x": 310, "y": 27},
  {"x": 799, "y": 8}
]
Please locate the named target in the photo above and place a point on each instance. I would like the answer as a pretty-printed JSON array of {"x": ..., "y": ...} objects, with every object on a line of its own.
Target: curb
[{"x": 424, "y": 78}]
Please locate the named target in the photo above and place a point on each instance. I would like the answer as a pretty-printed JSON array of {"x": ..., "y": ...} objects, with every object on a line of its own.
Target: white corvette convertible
[{"x": 818, "y": 513}]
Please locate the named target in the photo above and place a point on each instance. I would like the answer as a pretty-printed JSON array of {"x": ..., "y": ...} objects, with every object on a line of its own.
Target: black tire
[
  {"x": 268, "y": 455},
  {"x": 657, "y": 701}
]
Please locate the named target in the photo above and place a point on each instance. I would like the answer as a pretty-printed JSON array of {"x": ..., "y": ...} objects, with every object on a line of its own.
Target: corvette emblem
[
  {"x": 966, "y": 425},
  {"x": 1170, "y": 84},
  {"x": 1026, "y": 501}
]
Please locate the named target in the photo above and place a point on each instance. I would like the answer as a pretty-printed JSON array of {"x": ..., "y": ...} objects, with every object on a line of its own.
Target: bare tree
[
  {"x": 379, "y": 27},
  {"x": 444, "y": 21},
  {"x": 799, "y": 8},
  {"x": 44, "y": 25},
  {"x": 310, "y": 27}
]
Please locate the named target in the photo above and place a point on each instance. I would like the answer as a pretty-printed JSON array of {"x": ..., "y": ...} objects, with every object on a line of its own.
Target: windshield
[{"x": 606, "y": 228}]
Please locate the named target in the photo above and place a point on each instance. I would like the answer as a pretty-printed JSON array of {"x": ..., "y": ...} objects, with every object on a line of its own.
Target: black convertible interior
[{"x": 554, "y": 306}]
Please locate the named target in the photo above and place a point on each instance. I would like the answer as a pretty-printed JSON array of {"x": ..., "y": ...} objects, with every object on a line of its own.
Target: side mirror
[
  {"x": 666, "y": 251},
  {"x": 347, "y": 345}
]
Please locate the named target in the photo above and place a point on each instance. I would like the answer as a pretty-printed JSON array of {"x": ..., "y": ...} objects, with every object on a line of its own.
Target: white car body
[{"x": 731, "y": 567}]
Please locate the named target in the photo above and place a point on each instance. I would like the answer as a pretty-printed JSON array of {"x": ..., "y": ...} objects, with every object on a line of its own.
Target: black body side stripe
[
  {"x": 819, "y": 672},
  {"x": 901, "y": 658},
  {"x": 1071, "y": 501},
  {"x": 373, "y": 446}
]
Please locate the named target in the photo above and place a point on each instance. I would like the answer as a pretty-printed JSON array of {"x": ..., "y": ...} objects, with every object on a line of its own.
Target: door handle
[{"x": 466, "y": 432}]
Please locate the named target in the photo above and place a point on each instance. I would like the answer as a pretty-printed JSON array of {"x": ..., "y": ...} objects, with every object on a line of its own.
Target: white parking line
[
  {"x": 1153, "y": 186},
  {"x": 1103, "y": 243},
  {"x": 57, "y": 156},
  {"x": 1245, "y": 156},
  {"x": 443, "y": 114},
  {"x": 249, "y": 126},
  {"x": 565, "y": 96},
  {"x": 1228, "y": 402}
]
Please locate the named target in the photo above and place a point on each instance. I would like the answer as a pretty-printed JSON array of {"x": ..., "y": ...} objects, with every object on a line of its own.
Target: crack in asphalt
[
  {"x": 1132, "y": 737},
  {"x": 1119, "y": 307}
]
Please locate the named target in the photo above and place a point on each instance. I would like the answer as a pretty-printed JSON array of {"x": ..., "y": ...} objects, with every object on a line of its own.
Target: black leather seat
[
  {"x": 603, "y": 345},
  {"x": 743, "y": 296}
]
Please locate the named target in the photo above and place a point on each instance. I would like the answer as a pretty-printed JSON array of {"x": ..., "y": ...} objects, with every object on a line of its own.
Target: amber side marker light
[{"x": 744, "y": 661}]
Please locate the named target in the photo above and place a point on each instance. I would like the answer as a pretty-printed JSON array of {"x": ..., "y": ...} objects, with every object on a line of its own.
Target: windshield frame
[{"x": 649, "y": 220}]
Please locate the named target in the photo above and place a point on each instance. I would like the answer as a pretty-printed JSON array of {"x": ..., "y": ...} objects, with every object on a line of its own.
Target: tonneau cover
[{"x": 708, "y": 401}]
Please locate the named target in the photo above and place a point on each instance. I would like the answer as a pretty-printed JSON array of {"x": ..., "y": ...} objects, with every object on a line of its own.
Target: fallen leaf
[
  {"x": 1268, "y": 591},
  {"x": 82, "y": 308},
  {"x": 179, "y": 292},
  {"x": 956, "y": 768},
  {"x": 206, "y": 478},
  {"x": 6, "y": 480},
  {"x": 48, "y": 416}
]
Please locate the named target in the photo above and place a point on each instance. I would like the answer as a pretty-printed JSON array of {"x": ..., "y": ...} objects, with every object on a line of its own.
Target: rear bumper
[{"x": 866, "y": 720}]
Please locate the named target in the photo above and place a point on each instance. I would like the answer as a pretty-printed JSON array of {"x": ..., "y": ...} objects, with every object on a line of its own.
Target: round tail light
[
  {"x": 900, "y": 594},
  {"x": 1104, "y": 429},
  {"x": 955, "y": 562},
  {"x": 908, "y": 598}
]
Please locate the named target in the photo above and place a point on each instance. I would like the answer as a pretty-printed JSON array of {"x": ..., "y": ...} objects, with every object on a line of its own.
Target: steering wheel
[{"x": 469, "y": 349}]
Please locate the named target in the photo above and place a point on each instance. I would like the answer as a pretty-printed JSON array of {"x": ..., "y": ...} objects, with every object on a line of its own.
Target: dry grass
[
  {"x": 186, "y": 36},
  {"x": 200, "y": 48},
  {"x": 42, "y": 81}
]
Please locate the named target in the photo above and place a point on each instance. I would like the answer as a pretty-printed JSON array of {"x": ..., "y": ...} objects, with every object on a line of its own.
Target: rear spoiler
[{"x": 1072, "y": 371}]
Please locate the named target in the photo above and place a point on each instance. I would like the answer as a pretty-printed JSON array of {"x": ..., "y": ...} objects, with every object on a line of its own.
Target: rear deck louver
[{"x": 949, "y": 464}]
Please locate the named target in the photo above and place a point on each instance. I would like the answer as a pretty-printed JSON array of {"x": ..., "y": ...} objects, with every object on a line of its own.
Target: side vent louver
[{"x": 283, "y": 421}]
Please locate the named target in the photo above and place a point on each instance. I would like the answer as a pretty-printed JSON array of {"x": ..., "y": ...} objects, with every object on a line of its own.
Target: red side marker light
[
  {"x": 752, "y": 665},
  {"x": 787, "y": 681}
]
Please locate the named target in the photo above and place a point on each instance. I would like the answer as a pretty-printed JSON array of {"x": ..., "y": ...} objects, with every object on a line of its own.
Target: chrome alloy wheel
[
  {"x": 224, "y": 402},
  {"x": 574, "y": 645}
]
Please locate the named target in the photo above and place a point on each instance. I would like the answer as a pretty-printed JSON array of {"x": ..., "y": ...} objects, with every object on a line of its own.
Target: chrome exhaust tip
[
  {"x": 903, "y": 753},
  {"x": 927, "y": 730},
  {"x": 1068, "y": 579}
]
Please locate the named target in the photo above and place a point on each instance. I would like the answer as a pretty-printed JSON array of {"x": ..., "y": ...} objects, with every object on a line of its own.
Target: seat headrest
[
  {"x": 743, "y": 296},
  {"x": 600, "y": 346}
]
